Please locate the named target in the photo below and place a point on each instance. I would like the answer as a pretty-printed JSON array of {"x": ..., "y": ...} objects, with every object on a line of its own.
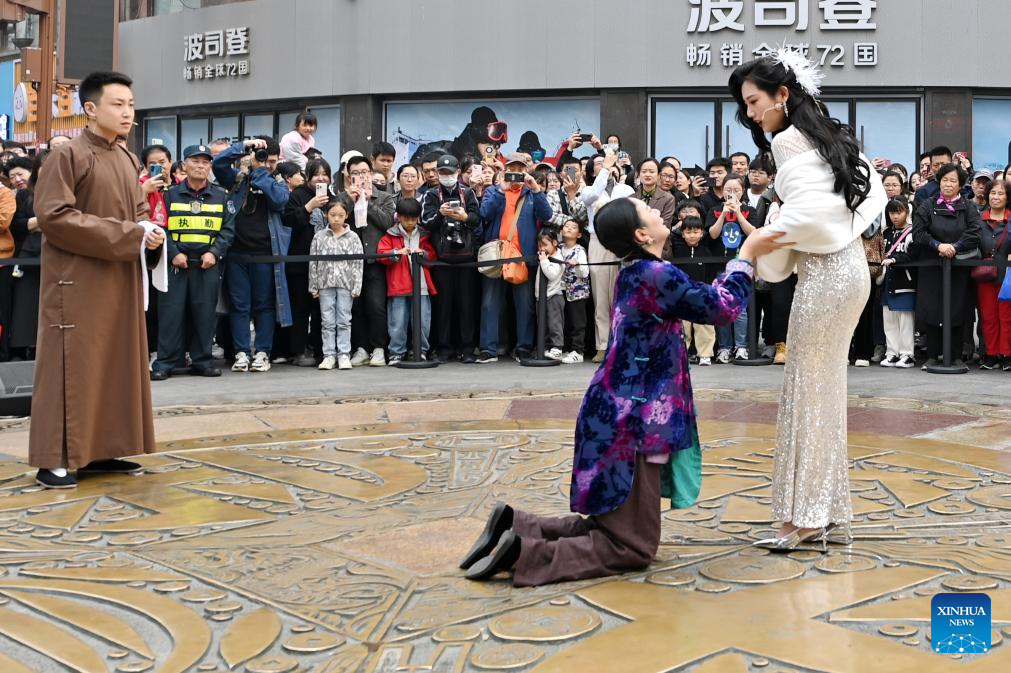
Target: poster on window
[{"x": 494, "y": 128}]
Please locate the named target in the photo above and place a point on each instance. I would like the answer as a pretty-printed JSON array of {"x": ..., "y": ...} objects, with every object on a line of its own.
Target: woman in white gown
[{"x": 829, "y": 194}]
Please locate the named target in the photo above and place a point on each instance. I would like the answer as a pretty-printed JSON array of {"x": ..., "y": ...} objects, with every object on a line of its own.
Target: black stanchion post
[
  {"x": 538, "y": 359},
  {"x": 417, "y": 363},
  {"x": 754, "y": 358},
  {"x": 946, "y": 366}
]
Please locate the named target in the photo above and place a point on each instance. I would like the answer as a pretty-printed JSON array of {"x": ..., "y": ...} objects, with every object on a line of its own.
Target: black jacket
[
  {"x": 436, "y": 225},
  {"x": 302, "y": 231},
  {"x": 932, "y": 225},
  {"x": 901, "y": 280},
  {"x": 684, "y": 253}
]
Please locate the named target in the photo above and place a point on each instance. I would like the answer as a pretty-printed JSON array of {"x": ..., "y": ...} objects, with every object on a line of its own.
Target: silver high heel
[
  {"x": 835, "y": 533},
  {"x": 791, "y": 541}
]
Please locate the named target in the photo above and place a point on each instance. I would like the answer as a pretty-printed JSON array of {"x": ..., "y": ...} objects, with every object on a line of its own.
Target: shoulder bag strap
[
  {"x": 901, "y": 238},
  {"x": 516, "y": 218}
]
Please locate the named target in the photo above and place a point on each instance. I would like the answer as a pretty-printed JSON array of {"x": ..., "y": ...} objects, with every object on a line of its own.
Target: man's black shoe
[
  {"x": 468, "y": 358},
  {"x": 159, "y": 374},
  {"x": 500, "y": 520},
  {"x": 47, "y": 479},
  {"x": 112, "y": 466},
  {"x": 204, "y": 371},
  {"x": 504, "y": 557}
]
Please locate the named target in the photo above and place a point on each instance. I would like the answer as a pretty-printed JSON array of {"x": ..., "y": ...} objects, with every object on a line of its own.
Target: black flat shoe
[
  {"x": 500, "y": 520},
  {"x": 112, "y": 466},
  {"x": 504, "y": 557},
  {"x": 159, "y": 374},
  {"x": 47, "y": 479},
  {"x": 204, "y": 371}
]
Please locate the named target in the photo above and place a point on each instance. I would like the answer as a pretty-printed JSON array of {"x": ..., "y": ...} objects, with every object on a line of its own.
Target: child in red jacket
[{"x": 406, "y": 238}]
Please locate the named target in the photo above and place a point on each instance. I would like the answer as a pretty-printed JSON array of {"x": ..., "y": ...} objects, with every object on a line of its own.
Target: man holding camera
[
  {"x": 255, "y": 289},
  {"x": 200, "y": 229},
  {"x": 450, "y": 214}
]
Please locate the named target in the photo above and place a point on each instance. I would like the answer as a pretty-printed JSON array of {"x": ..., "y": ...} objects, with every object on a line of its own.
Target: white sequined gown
[{"x": 810, "y": 480}]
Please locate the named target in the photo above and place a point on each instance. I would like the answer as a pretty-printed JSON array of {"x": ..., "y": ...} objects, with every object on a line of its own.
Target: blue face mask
[{"x": 537, "y": 155}]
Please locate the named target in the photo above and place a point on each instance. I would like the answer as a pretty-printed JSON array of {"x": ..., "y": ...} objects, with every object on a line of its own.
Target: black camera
[
  {"x": 454, "y": 235},
  {"x": 258, "y": 154}
]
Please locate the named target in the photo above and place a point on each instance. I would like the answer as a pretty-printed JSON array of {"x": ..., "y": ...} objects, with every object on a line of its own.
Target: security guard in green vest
[{"x": 201, "y": 226}]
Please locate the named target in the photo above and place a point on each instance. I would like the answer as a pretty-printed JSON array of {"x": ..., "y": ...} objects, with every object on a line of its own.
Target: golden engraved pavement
[{"x": 326, "y": 552}]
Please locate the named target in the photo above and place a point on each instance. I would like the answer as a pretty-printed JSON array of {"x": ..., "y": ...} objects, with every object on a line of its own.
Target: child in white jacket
[
  {"x": 547, "y": 247},
  {"x": 336, "y": 283}
]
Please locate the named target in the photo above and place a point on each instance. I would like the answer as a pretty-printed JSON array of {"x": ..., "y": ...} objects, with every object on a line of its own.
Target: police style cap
[
  {"x": 197, "y": 151},
  {"x": 447, "y": 162}
]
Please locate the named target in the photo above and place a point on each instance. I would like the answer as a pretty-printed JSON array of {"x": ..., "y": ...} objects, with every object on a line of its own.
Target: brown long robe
[{"x": 92, "y": 395}]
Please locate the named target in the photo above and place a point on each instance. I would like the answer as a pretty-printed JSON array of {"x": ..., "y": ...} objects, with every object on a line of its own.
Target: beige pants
[
  {"x": 704, "y": 335},
  {"x": 602, "y": 279}
]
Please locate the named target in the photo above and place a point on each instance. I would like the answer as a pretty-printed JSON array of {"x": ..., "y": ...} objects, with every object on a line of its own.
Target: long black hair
[
  {"x": 834, "y": 140},
  {"x": 615, "y": 225}
]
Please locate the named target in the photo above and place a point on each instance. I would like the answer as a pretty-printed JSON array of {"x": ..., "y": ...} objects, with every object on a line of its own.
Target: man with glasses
[
  {"x": 372, "y": 217},
  {"x": 429, "y": 174}
]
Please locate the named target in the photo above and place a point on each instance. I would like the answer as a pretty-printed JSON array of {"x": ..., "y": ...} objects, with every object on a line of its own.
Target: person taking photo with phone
[
  {"x": 305, "y": 203},
  {"x": 450, "y": 213},
  {"x": 511, "y": 212},
  {"x": 602, "y": 188}
]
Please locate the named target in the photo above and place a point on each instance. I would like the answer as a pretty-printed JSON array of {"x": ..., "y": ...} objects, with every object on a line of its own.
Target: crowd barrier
[{"x": 538, "y": 359}]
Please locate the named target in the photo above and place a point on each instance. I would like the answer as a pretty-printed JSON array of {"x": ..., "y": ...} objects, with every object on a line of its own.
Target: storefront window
[
  {"x": 991, "y": 133},
  {"x": 415, "y": 129},
  {"x": 258, "y": 125},
  {"x": 286, "y": 122},
  {"x": 225, "y": 127},
  {"x": 328, "y": 132},
  {"x": 888, "y": 129},
  {"x": 736, "y": 138},
  {"x": 161, "y": 131},
  {"x": 686, "y": 130},
  {"x": 193, "y": 132}
]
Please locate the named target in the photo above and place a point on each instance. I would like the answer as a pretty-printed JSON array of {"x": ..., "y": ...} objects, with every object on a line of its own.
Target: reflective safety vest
[{"x": 195, "y": 221}]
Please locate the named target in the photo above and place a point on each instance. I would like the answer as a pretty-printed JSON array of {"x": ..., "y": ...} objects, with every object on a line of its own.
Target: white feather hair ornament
[{"x": 808, "y": 75}]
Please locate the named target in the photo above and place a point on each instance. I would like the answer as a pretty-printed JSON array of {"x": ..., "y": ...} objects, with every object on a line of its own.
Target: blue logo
[
  {"x": 732, "y": 235},
  {"x": 960, "y": 623}
]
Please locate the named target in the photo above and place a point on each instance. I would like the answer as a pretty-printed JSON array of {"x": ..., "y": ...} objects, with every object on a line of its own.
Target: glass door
[
  {"x": 684, "y": 129},
  {"x": 194, "y": 131},
  {"x": 161, "y": 131},
  {"x": 889, "y": 129},
  {"x": 735, "y": 138}
]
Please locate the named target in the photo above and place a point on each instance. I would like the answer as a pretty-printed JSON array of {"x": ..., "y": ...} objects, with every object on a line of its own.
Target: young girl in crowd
[
  {"x": 336, "y": 283},
  {"x": 728, "y": 226},
  {"x": 576, "y": 289},
  {"x": 899, "y": 296},
  {"x": 547, "y": 246},
  {"x": 635, "y": 435},
  {"x": 403, "y": 239}
]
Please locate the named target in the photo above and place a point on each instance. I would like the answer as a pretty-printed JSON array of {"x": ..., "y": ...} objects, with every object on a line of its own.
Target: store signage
[
  {"x": 229, "y": 49},
  {"x": 20, "y": 103},
  {"x": 709, "y": 17}
]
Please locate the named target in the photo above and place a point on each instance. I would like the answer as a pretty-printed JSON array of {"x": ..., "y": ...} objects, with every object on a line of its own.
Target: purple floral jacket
[{"x": 640, "y": 399}]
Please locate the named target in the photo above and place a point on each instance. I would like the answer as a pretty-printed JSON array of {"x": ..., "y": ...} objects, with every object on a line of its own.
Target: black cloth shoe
[
  {"x": 112, "y": 466},
  {"x": 159, "y": 374},
  {"x": 204, "y": 371},
  {"x": 504, "y": 557},
  {"x": 47, "y": 479},
  {"x": 468, "y": 358},
  {"x": 500, "y": 520}
]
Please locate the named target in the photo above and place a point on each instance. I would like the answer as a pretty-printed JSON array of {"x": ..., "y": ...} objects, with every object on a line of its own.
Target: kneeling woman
[{"x": 637, "y": 412}]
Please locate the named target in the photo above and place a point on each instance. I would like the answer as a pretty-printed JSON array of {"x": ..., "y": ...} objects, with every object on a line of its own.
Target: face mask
[{"x": 448, "y": 181}]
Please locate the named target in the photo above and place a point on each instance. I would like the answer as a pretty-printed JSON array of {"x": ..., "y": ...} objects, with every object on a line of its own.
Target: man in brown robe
[{"x": 91, "y": 402}]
